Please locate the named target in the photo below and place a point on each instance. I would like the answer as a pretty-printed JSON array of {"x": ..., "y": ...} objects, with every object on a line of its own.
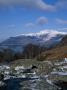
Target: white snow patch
[
  {"x": 46, "y": 76},
  {"x": 66, "y": 60},
  {"x": 4, "y": 67},
  {"x": 50, "y": 32},
  {"x": 60, "y": 73},
  {"x": 49, "y": 81},
  {"x": 65, "y": 67},
  {"x": 19, "y": 68}
]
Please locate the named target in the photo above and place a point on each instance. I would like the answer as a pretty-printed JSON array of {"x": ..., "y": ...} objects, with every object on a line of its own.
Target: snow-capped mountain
[{"x": 43, "y": 38}]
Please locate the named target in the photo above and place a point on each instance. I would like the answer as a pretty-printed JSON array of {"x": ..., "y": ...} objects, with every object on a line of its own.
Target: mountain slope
[
  {"x": 58, "y": 52},
  {"x": 43, "y": 38},
  {"x": 63, "y": 41}
]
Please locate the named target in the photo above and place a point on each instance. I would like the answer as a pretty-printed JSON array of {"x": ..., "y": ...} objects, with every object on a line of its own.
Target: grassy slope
[{"x": 55, "y": 53}]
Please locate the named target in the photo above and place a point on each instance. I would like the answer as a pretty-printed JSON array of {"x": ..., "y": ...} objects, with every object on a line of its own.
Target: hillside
[
  {"x": 58, "y": 52},
  {"x": 63, "y": 42},
  {"x": 31, "y": 51}
]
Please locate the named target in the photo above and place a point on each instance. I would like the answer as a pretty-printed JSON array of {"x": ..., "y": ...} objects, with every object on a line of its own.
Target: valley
[{"x": 51, "y": 63}]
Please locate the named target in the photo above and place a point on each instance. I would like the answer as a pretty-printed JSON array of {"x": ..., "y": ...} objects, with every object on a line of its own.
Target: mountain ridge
[{"x": 43, "y": 38}]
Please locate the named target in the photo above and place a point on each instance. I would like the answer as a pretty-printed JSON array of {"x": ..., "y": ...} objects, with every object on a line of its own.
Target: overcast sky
[{"x": 25, "y": 16}]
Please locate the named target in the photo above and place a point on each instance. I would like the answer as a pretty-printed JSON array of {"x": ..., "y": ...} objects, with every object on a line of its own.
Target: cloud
[
  {"x": 39, "y": 21},
  {"x": 51, "y": 32},
  {"x": 61, "y": 21},
  {"x": 42, "y": 20},
  {"x": 37, "y": 4},
  {"x": 65, "y": 28},
  {"x": 29, "y": 25},
  {"x": 61, "y": 4}
]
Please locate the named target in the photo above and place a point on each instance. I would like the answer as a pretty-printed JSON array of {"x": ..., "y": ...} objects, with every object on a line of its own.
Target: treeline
[
  {"x": 30, "y": 51},
  {"x": 6, "y": 55}
]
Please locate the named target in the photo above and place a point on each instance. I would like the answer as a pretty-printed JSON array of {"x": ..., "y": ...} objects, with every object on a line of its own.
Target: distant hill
[
  {"x": 43, "y": 39},
  {"x": 58, "y": 52}
]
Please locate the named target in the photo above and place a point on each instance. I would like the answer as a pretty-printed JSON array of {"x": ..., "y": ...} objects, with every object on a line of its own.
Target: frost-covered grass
[
  {"x": 47, "y": 72},
  {"x": 45, "y": 68}
]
